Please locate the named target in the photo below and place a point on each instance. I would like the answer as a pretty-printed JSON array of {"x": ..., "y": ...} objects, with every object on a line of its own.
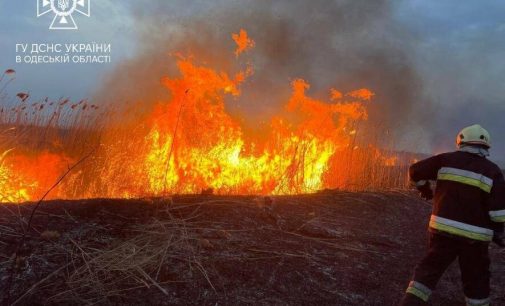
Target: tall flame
[{"x": 191, "y": 143}]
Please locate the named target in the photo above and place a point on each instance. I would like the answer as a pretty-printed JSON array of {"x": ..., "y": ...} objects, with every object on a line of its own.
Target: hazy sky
[{"x": 457, "y": 49}]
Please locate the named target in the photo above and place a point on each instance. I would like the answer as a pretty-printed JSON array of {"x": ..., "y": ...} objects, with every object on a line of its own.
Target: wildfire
[
  {"x": 204, "y": 147},
  {"x": 11, "y": 186},
  {"x": 191, "y": 143},
  {"x": 24, "y": 178}
]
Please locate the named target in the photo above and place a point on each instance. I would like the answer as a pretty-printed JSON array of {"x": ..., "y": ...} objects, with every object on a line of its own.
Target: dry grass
[
  {"x": 201, "y": 250},
  {"x": 95, "y": 275}
]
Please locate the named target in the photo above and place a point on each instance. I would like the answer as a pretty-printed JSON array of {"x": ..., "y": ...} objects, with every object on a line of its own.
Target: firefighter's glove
[
  {"x": 499, "y": 239},
  {"x": 425, "y": 191}
]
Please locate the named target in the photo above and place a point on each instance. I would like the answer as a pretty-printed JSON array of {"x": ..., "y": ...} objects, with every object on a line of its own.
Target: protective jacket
[{"x": 469, "y": 197}]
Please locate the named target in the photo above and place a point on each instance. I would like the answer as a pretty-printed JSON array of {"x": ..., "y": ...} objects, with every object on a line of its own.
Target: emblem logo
[{"x": 63, "y": 10}]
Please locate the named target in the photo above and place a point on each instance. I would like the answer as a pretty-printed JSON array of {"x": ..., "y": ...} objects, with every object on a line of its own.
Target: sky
[
  {"x": 454, "y": 51},
  {"x": 460, "y": 56}
]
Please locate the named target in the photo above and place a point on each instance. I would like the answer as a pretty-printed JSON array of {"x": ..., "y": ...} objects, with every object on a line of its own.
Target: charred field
[{"x": 329, "y": 248}]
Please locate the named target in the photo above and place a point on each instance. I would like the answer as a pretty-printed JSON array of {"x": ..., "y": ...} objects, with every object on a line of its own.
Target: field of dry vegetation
[{"x": 331, "y": 248}]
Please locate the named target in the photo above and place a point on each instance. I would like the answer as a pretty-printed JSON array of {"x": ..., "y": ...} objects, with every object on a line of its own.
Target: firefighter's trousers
[{"x": 473, "y": 257}]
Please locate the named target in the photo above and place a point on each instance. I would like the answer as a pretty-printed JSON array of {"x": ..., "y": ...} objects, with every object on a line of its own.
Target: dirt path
[{"x": 331, "y": 248}]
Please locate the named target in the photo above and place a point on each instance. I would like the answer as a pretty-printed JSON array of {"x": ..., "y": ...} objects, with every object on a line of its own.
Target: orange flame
[
  {"x": 24, "y": 178},
  {"x": 204, "y": 147},
  {"x": 190, "y": 143},
  {"x": 243, "y": 42}
]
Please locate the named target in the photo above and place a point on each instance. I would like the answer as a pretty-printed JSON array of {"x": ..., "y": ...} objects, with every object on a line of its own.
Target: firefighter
[{"x": 468, "y": 213}]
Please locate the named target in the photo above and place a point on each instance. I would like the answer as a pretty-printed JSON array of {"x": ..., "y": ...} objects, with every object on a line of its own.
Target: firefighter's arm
[
  {"x": 424, "y": 171},
  {"x": 497, "y": 209}
]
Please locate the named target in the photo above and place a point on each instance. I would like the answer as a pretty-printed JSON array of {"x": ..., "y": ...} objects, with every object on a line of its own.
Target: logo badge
[{"x": 63, "y": 10}]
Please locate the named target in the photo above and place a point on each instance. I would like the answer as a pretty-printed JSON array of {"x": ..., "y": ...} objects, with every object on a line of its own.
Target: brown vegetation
[{"x": 331, "y": 248}]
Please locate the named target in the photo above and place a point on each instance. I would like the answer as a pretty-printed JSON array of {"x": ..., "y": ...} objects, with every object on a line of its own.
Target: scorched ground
[{"x": 330, "y": 248}]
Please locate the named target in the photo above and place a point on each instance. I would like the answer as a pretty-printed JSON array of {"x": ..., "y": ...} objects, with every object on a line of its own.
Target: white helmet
[{"x": 474, "y": 135}]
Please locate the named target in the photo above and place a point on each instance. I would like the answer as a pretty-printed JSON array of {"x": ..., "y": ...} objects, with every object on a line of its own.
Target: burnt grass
[{"x": 330, "y": 248}]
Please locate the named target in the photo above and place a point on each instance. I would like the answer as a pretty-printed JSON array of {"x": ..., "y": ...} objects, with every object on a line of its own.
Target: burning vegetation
[{"x": 190, "y": 143}]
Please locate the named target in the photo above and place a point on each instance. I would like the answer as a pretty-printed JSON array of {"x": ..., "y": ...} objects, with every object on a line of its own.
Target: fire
[
  {"x": 364, "y": 94},
  {"x": 13, "y": 188},
  {"x": 243, "y": 42},
  {"x": 204, "y": 147},
  {"x": 24, "y": 178},
  {"x": 191, "y": 143}
]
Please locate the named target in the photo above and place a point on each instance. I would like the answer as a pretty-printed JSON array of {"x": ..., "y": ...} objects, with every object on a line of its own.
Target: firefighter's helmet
[{"x": 474, "y": 135}]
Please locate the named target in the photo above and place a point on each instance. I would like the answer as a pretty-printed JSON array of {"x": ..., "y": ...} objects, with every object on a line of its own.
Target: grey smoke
[{"x": 342, "y": 44}]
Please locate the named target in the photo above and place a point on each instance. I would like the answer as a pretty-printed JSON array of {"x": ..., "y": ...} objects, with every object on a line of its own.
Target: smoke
[
  {"x": 341, "y": 44},
  {"x": 463, "y": 72}
]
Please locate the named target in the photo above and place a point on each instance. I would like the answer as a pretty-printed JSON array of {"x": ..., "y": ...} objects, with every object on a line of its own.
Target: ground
[{"x": 330, "y": 248}]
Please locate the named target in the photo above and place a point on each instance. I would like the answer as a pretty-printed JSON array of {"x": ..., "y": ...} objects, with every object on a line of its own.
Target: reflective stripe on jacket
[{"x": 469, "y": 198}]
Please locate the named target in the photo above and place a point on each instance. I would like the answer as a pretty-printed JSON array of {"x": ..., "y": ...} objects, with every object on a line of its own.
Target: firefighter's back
[{"x": 464, "y": 184}]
